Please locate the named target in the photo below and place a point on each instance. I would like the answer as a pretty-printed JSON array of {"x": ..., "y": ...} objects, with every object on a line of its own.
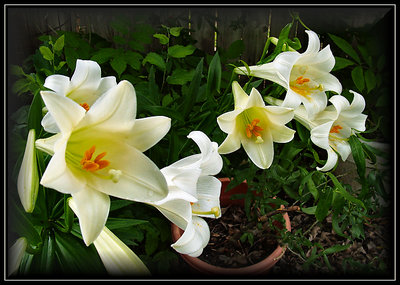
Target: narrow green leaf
[
  {"x": 324, "y": 204},
  {"x": 341, "y": 63},
  {"x": 35, "y": 114},
  {"x": 370, "y": 80},
  {"x": 358, "y": 155},
  {"x": 117, "y": 223},
  {"x": 214, "y": 76},
  {"x": 309, "y": 210},
  {"x": 59, "y": 44},
  {"x": 345, "y": 46},
  {"x": 193, "y": 89},
  {"x": 343, "y": 191},
  {"x": 48, "y": 259},
  {"x": 357, "y": 74}
]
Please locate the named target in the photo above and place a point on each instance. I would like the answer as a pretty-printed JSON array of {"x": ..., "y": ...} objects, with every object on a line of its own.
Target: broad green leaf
[
  {"x": 104, "y": 55},
  {"x": 163, "y": 38},
  {"x": 175, "y": 31},
  {"x": 309, "y": 210},
  {"x": 179, "y": 51},
  {"x": 357, "y": 74},
  {"x": 341, "y": 63},
  {"x": 180, "y": 76},
  {"x": 235, "y": 49},
  {"x": 59, "y": 44},
  {"x": 155, "y": 59},
  {"x": 345, "y": 46},
  {"x": 119, "y": 64},
  {"x": 370, "y": 80},
  {"x": 46, "y": 53}
]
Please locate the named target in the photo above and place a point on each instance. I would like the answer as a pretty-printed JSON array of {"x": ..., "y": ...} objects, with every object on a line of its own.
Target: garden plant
[{"x": 117, "y": 142}]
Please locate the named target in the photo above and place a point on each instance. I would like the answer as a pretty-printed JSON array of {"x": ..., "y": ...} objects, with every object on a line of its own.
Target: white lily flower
[
  {"x": 255, "y": 126},
  {"x": 85, "y": 87},
  {"x": 333, "y": 135},
  {"x": 117, "y": 257},
  {"x": 306, "y": 76},
  {"x": 99, "y": 153},
  {"x": 16, "y": 253},
  {"x": 194, "y": 193},
  {"x": 28, "y": 177}
]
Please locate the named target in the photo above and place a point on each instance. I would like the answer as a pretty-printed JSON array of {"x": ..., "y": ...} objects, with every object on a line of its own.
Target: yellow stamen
[
  {"x": 85, "y": 106},
  {"x": 214, "y": 211},
  {"x": 253, "y": 129},
  {"x": 335, "y": 129},
  {"x": 97, "y": 164}
]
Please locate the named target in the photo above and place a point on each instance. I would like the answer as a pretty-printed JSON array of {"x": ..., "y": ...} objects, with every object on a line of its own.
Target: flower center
[
  {"x": 305, "y": 86},
  {"x": 85, "y": 106},
  {"x": 253, "y": 129},
  {"x": 97, "y": 164},
  {"x": 335, "y": 129}
]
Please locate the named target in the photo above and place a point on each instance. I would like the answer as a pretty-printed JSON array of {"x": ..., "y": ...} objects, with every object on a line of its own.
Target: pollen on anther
[
  {"x": 335, "y": 129},
  {"x": 85, "y": 106}
]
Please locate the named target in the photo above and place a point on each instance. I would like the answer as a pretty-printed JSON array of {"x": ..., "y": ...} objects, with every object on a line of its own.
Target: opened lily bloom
[
  {"x": 194, "y": 193},
  {"x": 117, "y": 257},
  {"x": 333, "y": 135},
  {"x": 99, "y": 153},
  {"x": 306, "y": 76},
  {"x": 85, "y": 87},
  {"x": 255, "y": 126},
  {"x": 28, "y": 176}
]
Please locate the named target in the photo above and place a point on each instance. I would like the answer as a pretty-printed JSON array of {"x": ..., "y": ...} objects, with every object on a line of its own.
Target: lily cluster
[
  {"x": 306, "y": 77},
  {"x": 96, "y": 149}
]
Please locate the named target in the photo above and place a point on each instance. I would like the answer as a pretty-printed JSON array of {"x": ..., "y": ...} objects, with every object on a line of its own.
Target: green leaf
[
  {"x": 370, "y": 80},
  {"x": 133, "y": 59},
  {"x": 104, "y": 55},
  {"x": 343, "y": 191},
  {"x": 179, "y": 51},
  {"x": 324, "y": 204},
  {"x": 59, "y": 44},
  {"x": 235, "y": 49},
  {"x": 180, "y": 76},
  {"x": 357, "y": 74},
  {"x": 48, "y": 259},
  {"x": 193, "y": 89},
  {"x": 175, "y": 31},
  {"x": 35, "y": 114},
  {"x": 46, "y": 53},
  {"x": 155, "y": 59},
  {"x": 341, "y": 63},
  {"x": 117, "y": 223},
  {"x": 336, "y": 248},
  {"x": 309, "y": 210},
  {"x": 214, "y": 76},
  {"x": 118, "y": 63},
  {"x": 358, "y": 155},
  {"x": 163, "y": 38},
  {"x": 345, "y": 46}
]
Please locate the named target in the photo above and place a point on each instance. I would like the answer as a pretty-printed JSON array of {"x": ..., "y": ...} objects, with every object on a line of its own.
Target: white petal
[
  {"x": 58, "y": 175},
  {"x": 261, "y": 154},
  {"x": 87, "y": 75},
  {"x": 313, "y": 43},
  {"x": 240, "y": 97},
  {"x": 255, "y": 99},
  {"x": 317, "y": 103},
  {"x": 329, "y": 82},
  {"x": 106, "y": 83},
  {"x": 117, "y": 257},
  {"x": 16, "y": 253},
  {"x": 227, "y": 121},
  {"x": 281, "y": 134},
  {"x": 65, "y": 112},
  {"x": 28, "y": 177},
  {"x": 115, "y": 111},
  {"x": 149, "y": 131},
  {"x": 279, "y": 115},
  {"x": 344, "y": 149},
  {"x": 292, "y": 99},
  {"x": 49, "y": 124},
  {"x": 183, "y": 178},
  {"x": 91, "y": 207},
  {"x": 208, "y": 193},
  {"x": 58, "y": 83},
  {"x": 47, "y": 145},
  {"x": 194, "y": 239},
  {"x": 330, "y": 162},
  {"x": 320, "y": 135},
  {"x": 340, "y": 102},
  {"x": 230, "y": 144},
  {"x": 176, "y": 210}
]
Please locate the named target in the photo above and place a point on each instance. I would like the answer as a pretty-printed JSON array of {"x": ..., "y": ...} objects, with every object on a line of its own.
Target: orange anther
[
  {"x": 85, "y": 106},
  {"x": 97, "y": 164},
  {"x": 301, "y": 80},
  {"x": 335, "y": 129},
  {"x": 253, "y": 129}
]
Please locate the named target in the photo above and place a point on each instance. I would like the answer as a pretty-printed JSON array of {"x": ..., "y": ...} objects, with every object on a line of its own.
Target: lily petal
[
  {"x": 91, "y": 207},
  {"x": 194, "y": 238},
  {"x": 47, "y": 145},
  {"x": 330, "y": 162},
  {"x": 320, "y": 135},
  {"x": 117, "y": 257},
  {"x": 65, "y": 112},
  {"x": 149, "y": 131},
  {"x": 227, "y": 122},
  {"x": 261, "y": 154},
  {"x": 255, "y": 99},
  {"x": 58, "y": 83},
  {"x": 240, "y": 97},
  {"x": 16, "y": 253},
  {"x": 208, "y": 193},
  {"x": 230, "y": 144}
]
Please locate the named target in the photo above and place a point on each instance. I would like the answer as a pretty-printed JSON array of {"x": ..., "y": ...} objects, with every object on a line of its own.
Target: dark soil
[{"x": 226, "y": 249}]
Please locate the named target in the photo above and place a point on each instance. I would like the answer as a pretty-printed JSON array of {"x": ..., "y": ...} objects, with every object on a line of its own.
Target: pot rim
[{"x": 257, "y": 268}]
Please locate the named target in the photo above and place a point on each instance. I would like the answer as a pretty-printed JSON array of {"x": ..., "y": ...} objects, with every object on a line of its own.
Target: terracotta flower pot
[{"x": 261, "y": 267}]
